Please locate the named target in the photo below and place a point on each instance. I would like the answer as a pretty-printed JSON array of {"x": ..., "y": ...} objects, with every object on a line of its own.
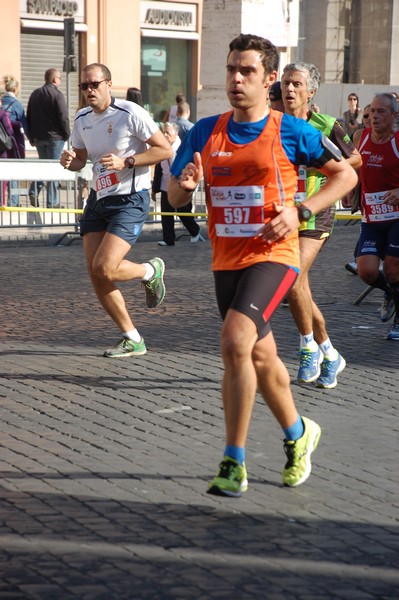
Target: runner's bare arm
[
  {"x": 74, "y": 159},
  {"x": 159, "y": 149},
  {"x": 181, "y": 188},
  {"x": 341, "y": 178}
]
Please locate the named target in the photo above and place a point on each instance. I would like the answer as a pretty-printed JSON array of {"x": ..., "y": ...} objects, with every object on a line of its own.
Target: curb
[{"x": 64, "y": 236}]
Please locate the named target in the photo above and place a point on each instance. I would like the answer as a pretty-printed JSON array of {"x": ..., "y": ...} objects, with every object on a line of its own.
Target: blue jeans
[
  {"x": 13, "y": 199},
  {"x": 47, "y": 149}
]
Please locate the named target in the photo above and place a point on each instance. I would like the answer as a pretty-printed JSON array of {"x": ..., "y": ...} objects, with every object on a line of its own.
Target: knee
[
  {"x": 295, "y": 292},
  {"x": 391, "y": 270},
  {"x": 367, "y": 273},
  {"x": 233, "y": 348},
  {"x": 102, "y": 270},
  {"x": 265, "y": 364},
  {"x": 367, "y": 276},
  {"x": 299, "y": 288}
]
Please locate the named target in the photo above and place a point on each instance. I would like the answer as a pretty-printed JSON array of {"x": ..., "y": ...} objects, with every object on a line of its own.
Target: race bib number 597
[{"x": 238, "y": 211}]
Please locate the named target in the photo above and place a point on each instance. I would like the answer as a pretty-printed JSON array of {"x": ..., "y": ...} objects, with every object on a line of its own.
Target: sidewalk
[{"x": 105, "y": 463}]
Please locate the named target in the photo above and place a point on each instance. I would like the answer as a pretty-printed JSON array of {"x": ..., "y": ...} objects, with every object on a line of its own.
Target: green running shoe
[
  {"x": 231, "y": 479},
  {"x": 126, "y": 347},
  {"x": 298, "y": 465},
  {"x": 155, "y": 287}
]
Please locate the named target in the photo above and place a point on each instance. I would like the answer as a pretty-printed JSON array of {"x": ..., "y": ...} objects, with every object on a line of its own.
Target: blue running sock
[
  {"x": 235, "y": 452},
  {"x": 295, "y": 431}
]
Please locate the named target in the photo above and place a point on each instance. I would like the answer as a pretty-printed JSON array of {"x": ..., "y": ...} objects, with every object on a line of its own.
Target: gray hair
[
  {"x": 313, "y": 79},
  {"x": 165, "y": 125},
  {"x": 392, "y": 101}
]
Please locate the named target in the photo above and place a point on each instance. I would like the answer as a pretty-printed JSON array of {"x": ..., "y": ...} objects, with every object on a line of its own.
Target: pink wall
[{"x": 10, "y": 60}]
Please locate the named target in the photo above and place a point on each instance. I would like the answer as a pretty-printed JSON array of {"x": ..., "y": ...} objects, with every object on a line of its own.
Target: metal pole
[{"x": 68, "y": 101}]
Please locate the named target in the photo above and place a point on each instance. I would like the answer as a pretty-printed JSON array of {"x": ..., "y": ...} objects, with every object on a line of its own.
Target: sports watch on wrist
[
  {"x": 129, "y": 162},
  {"x": 304, "y": 213}
]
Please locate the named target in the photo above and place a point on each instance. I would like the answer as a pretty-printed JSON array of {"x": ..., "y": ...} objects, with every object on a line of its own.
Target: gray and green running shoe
[
  {"x": 126, "y": 347},
  {"x": 387, "y": 308},
  {"x": 155, "y": 287},
  {"x": 231, "y": 479}
]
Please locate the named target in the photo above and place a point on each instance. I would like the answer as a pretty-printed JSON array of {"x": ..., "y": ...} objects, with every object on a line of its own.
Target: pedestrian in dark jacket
[{"x": 49, "y": 129}]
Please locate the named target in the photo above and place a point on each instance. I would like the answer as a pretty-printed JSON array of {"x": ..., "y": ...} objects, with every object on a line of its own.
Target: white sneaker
[
  {"x": 197, "y": 238},
  {"x": 163, "y": 243}
]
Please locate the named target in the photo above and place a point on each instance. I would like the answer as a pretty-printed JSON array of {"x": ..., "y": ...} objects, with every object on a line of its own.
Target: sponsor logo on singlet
[{"x": 221, "y": 153}]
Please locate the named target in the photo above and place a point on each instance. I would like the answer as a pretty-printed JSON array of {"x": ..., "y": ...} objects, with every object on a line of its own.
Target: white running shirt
[{"x": 122, "y": 129}]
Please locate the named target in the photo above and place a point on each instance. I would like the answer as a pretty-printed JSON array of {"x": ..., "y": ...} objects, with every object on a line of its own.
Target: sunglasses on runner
[
  {"x": 366, "y": 116},
  {"x": 91, "y": 84}
]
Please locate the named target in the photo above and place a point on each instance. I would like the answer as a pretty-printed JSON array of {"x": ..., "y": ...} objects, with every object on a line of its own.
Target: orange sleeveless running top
[{"x": 242, "y": 182}]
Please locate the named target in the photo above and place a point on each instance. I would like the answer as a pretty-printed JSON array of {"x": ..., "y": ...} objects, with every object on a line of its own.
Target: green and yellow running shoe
[
  {"x": 298, "y": 466},
  {"x": 231, "y": 479}
]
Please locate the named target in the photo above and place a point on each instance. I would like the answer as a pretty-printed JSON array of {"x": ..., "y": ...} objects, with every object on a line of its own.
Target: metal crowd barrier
[
  {"x": 69, "y": 195},
  {"x": 26, "y": 171}
]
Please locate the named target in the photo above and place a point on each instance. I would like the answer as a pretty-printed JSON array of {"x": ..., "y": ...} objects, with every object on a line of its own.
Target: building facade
[
  {"x": 222, "y": 21},
  {"x": 153, "y": 45},
  {"x": 354, "y": 44},
  {"x": 353, "y": 41},
  {"x": 167, "y": 47}
]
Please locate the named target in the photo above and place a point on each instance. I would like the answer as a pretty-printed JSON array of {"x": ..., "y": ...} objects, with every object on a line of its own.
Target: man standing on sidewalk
[
  {"x": 48, "y": 124},
  {"x": 319, "y": 360},
  {"x": 121, "y": 140},
  {"x": 247, "y": 158}
]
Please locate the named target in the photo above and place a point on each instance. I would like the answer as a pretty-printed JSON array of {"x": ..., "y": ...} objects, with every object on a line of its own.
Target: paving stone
[{"x": 104, "y": 464}]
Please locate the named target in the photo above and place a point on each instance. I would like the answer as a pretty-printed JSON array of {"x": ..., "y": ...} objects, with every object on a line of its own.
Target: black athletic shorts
[{"x": 255, "y": 291}]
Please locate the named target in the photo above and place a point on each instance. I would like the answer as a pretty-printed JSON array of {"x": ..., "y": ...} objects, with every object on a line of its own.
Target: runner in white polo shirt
[{"x": 121, "y": 140}]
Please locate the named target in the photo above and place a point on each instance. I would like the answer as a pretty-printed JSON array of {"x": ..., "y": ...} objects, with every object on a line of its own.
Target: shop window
[{"x": 165, "y": 71}]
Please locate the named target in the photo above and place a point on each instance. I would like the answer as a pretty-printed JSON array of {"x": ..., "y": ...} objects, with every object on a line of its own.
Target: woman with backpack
[
  {"x": 19, "y": 123},
  {"x": 6, "y": 144},
  {"x": 11, "y": 104}
]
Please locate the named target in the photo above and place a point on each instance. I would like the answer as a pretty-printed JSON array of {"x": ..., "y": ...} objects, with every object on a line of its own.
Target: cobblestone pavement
[{"x": 104, "y": 463}]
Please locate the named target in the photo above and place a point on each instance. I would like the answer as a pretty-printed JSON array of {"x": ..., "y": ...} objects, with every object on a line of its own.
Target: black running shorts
[{"x": 255, "y": 291}]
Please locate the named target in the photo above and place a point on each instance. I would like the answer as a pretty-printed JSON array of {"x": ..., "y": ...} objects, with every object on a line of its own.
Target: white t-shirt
[{"x": 122, "y": 129}]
